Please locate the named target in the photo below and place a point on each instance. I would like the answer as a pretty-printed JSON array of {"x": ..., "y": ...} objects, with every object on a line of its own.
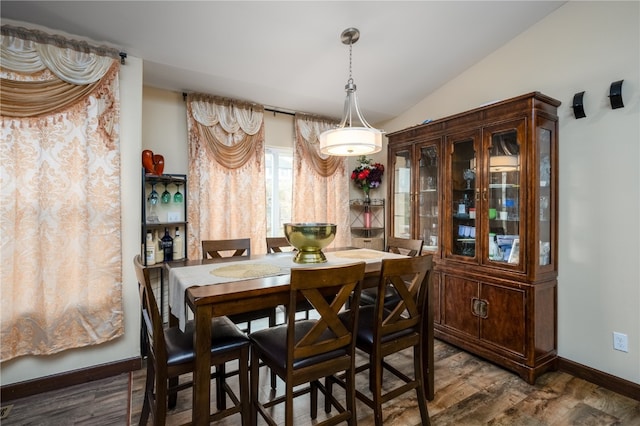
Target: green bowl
[{"x": 310, "y": 239}]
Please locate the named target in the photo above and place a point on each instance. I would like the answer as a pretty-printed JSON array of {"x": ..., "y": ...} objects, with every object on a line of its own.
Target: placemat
[
  {"x": 249, "y": 270},
  {"x": 365, "y": 254}
]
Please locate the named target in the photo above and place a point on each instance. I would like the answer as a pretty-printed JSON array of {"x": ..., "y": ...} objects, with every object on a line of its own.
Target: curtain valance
[
  {"x": 38, "y": 79},
  {"x": 232, "y": 130},
  {"x": 28, "y": 52},
  {"x": 231, "y": 115}
]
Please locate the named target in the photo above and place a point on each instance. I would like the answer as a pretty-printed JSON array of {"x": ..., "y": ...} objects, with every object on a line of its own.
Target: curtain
[
  {"x": 60, "y": 186},
  {"x": 320, "y": 183},
  {"x": 227, "y": 194}
]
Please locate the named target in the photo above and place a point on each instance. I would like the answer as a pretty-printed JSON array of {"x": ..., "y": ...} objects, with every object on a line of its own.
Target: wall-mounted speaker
[
  {"x": 615, "y": 95},
  {"x": 578, "y": 105}
]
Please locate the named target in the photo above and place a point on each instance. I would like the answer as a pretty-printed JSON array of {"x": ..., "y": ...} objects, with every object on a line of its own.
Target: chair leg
[
  {"x": 255, "y": 379},
  {"x": 173, "y": 397},
  {"x": 272, "y": 323},
  {"x": 221, "y": 397},
  {"x": 243, "y": 379},
  {"x": 420, "y": 390},
  {"x": 350, "y": 394},
  {"x": 313, "y": 399},
  {"x": 160, "y": 415},
  {"x": 375, "y": 384},
  {"x": 148, "y": 394},
  {"x": 288, "y": 405},
  {"x": 328, "y": 385}
]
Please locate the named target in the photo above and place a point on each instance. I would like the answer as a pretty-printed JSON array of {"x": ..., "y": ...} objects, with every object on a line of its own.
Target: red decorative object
[
  {"x": 153, "y": 163},
  {"x": 158, "y": 160},
  {"x": 147, "y": 161}
]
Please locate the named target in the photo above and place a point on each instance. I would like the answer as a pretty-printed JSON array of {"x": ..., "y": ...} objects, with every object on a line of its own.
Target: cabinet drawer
[{"x": 369, "y": 243}]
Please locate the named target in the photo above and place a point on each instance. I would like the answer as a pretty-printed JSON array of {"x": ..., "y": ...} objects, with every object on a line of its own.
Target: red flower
[{"x": 367, "y": 175}]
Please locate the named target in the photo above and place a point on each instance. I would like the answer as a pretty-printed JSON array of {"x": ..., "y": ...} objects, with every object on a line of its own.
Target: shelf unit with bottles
[
  {"x": 166, "y": 209},
  {"x": 159, "y": 212},
  {"x": 367, "y": 223},
  {"x": 495, "y": 286}
]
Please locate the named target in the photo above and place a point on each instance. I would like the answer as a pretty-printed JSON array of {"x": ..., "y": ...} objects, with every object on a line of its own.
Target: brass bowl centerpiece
[{"x": 310, "y": 239}]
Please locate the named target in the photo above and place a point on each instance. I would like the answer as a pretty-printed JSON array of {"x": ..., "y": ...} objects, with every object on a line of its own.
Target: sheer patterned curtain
[
  {"x": 227, "y": 194},
  {"x": 320, "y": 183},
  {"x": 60, "y": 213}
]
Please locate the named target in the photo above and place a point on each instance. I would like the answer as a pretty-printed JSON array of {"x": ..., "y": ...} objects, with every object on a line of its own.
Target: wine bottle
[
  {"x": 178, "y": 245},
  {"x": 167, "y": 246},
  {"x": 150, "y": 250}
]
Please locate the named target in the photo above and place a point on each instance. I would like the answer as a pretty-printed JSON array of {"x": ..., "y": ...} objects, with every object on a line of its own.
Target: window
[{"x": 279, "y": 181}]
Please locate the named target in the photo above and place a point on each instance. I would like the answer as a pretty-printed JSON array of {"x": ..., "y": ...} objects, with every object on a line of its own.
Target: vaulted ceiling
[{"x": 288, "y": 55}]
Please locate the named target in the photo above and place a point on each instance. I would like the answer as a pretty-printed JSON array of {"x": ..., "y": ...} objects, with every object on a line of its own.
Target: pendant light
[{"x": 353, "y": 136}]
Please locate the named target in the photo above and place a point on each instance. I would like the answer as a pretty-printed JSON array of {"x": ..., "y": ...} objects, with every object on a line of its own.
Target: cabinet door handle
[
  {"x": 484, "y": 194},
  {"x": 484, "y": 309},
  {"x": 477, "y": 194},
  {"x": 479, "y": 307},
  {"x": 475, "y": 306}
]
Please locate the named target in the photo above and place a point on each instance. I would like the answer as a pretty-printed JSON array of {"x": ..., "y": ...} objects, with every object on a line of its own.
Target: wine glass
[
  {"x": 178, "y": 197},
  {"x": 153, "y": 201},
  {"x": 153, "y": 196},
  {"x": 166, "y": 195}
]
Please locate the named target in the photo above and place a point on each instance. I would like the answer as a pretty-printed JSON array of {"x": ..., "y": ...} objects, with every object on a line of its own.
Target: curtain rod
[
  {"x": 279, "y": 111},
  {"x": 61, "y": 42}
]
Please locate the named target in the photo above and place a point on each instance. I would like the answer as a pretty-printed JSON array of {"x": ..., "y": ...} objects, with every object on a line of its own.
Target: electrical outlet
[{"x": 620, "y": 342}]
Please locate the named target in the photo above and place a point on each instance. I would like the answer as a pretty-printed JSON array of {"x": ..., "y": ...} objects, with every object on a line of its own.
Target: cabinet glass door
[
  {"x": 402, "y": 193},
  {"x": 428, "y": 226},
  {"x": 546, "y": 207},
  {"x": 504, "y": 198},
  {"x": 463, "y": 200}
]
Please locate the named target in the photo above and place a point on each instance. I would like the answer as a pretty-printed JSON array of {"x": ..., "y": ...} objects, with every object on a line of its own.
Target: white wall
[
  {"x": 128, "y": 346},
  {"x": 582, "y": 46},
  {"x": 164, "y": 128}
]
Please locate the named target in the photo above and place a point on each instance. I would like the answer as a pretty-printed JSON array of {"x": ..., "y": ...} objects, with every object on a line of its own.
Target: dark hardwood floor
[{"x": 469, "y": 391}]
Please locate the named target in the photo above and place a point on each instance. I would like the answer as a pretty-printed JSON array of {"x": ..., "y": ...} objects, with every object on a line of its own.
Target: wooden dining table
[{"x": 195, "y": 286}]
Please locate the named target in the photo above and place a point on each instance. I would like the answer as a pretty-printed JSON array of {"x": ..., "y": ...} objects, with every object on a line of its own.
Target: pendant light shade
[{"x": 353, "y": 136}]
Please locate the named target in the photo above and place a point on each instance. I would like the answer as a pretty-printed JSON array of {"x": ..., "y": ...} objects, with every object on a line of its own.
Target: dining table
[{"x": 205, "y": 288}]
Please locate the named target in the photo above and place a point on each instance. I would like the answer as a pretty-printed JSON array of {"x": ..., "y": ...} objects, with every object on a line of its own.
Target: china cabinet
[
  {"x": 367, "y": 223},
  {"x": 481, "y": 189}
]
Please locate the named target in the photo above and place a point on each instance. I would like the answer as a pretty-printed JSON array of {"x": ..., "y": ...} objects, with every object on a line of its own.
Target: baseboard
[
  {"x": 613, "y": 383},
  {"x": 59, "y": 381},
  {"x": 69, "y": 378}
]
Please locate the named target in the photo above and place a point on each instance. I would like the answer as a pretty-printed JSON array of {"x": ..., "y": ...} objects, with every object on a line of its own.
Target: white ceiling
[{"x": 288, "y": 55}]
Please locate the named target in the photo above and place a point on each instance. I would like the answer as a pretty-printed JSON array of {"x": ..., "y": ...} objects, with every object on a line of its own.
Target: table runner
[{"x": 181, "y": 278}]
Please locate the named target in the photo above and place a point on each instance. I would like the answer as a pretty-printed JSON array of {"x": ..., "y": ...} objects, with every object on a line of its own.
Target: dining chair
[
  {"x": 305, "y": 351},
  {"x": 403, "y": 246},
  {"x": 276, "y": 245},
  {"x": 170, "y": 354},
  {"x": 216, "y": 249},
  {"x": 240, "y": 247},
  {"x": 384, "y": 330}
]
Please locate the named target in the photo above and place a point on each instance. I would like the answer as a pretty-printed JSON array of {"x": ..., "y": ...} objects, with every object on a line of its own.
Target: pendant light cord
[{"x": 350, "y": 58}]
